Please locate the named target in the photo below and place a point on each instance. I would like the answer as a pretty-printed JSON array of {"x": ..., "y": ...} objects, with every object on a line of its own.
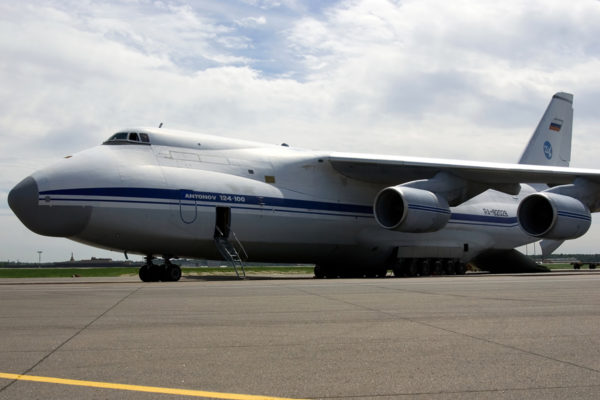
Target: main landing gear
[
  {"x": 428, "y": 266},
  {"x": 341, "y": 271},
  {"x": 166, "y": 272},
  {"x": 403, "y": 267}
]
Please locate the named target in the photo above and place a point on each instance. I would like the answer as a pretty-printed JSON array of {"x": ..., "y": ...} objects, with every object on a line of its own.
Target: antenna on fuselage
[{"x": 160, "y": 125}]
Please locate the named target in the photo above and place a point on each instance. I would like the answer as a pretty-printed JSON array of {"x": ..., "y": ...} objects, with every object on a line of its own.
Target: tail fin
[{"x": 551, "y": 142}]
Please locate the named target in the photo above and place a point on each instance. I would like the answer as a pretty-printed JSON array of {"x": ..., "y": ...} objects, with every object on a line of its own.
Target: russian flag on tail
[{"x": 556, "y": 124}]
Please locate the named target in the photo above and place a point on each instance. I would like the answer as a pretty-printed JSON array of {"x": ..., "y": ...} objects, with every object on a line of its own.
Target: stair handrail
[{"x": 240, "y": 244}]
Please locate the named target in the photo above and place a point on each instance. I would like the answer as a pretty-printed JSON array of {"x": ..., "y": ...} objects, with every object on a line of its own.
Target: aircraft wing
[{"x": 396, "y": 170}]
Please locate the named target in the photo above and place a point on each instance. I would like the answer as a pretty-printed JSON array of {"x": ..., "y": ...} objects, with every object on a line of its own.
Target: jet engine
[
  {"x": 408, "y": 209},
  {"x": 553, "y": 216}
]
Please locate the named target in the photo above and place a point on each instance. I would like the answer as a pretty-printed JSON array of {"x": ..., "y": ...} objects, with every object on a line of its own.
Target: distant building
[{"x": 93, "y": 263}]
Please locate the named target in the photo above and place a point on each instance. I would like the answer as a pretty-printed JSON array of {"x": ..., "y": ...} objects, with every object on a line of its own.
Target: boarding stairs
[{"x": 230, "y": 253}]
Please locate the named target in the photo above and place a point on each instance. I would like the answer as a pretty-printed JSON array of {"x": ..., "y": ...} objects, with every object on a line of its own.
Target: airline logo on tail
[
  {"x": 548, "y": 149},
  {"x": 556, "y": 124}
]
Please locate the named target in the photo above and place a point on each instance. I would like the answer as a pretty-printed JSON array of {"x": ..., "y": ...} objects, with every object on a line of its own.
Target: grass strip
[{"x": 132, "y": 271}]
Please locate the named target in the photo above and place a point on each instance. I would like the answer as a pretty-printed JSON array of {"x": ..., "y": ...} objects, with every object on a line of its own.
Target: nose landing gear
[{"x": 166, "y": 272}]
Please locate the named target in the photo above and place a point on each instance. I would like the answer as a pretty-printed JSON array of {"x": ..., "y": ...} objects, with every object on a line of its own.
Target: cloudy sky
[{"x": 451, "y": 79}]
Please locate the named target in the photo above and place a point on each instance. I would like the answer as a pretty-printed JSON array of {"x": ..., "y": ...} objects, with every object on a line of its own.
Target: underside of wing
[{"x": 392, "y": 170}]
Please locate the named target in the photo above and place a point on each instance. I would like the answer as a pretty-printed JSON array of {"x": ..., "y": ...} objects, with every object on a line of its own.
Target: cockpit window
[
  {"x": 128, "y": 138},
  {"x": 119, "y": 136}
]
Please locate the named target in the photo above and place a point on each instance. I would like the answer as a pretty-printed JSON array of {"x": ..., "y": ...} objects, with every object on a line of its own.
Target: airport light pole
[{"x": 39, "y": 258}]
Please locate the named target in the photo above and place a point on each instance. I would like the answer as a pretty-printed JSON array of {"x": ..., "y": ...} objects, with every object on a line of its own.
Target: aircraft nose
[
  {"x": 23, "y": 198},
  {"x": 62, "y": 221}
]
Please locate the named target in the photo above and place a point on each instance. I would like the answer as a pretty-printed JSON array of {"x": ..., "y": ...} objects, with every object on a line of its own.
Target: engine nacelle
[
  {"x": 553, "y": 216},
  {"x": 408, "y": 209}
]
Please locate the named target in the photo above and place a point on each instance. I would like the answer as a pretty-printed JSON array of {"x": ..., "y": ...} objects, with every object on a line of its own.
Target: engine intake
[
  {"x": 553, "y": 216},
  {"x": 408, "y": 209}
]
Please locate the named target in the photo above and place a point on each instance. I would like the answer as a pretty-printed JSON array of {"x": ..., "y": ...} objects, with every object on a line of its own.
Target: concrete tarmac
[{"x": 460, "y": 337}]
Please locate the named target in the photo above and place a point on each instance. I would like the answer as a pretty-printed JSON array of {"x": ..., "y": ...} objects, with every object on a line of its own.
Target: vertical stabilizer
[{"x": 551, "y": 142}]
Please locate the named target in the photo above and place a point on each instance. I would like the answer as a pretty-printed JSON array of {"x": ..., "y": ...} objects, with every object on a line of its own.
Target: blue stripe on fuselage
[
  {"x": 173, "y": 196},
  {"x": 180, "y": 195}
]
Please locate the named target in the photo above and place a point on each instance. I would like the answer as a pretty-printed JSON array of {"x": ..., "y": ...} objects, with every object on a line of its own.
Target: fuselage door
[
  {"x": 188, "y": 210},
  {"x": 223, "y": 222}
]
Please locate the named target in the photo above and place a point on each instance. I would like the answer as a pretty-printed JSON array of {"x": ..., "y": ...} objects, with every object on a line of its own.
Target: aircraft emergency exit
[{"x": 172, "y": 194}]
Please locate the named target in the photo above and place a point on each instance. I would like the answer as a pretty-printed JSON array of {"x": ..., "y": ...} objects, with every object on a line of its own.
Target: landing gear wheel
[
  {"x": 399, "y": 268},
  {"x": 411, "y": 269},
  {"x": 144, "y": 273},
  {"x": 149, "y": 273},
  {"x": 449, "y": 267},
  {"x": 170, "y": 273},
  {"x": 319, "y": 272},
  {"x": 368, "y": 273},
  {"x": 424, "y": 268},
  {"x": 331, "y": 271},
  {"x": 438, "y": 268},
  {"x": 154, "y": 273}
]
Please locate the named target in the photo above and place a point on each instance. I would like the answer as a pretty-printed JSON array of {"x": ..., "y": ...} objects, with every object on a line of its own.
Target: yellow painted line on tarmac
[{"x": 136, "y": 388}]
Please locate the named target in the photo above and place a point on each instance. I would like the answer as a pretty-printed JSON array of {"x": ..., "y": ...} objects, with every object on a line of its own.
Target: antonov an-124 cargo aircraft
[{"x": 172, "y": 194}]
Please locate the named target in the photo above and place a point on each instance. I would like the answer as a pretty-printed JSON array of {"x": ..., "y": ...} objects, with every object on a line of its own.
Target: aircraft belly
[
  {"x": 150, "y": 230},
  {"x": 287, "y": 237},
  {"x": 275, "y": 227}
]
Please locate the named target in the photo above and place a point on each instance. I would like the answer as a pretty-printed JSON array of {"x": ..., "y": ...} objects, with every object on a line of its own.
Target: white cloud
[
  {"x": 252, "y": 21},
  {"x": 270, "y": 4}
]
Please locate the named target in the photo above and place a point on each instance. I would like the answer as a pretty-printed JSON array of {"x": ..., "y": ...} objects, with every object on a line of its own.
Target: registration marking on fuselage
[{"x": 138, "y": 388}]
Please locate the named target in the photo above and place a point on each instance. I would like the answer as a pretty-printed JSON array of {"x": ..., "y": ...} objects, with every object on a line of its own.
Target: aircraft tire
[
  {"x": 461, "y": 268},
  {"x": 438, "y": 267},
  {"x": 412, "y": 267},
  {"x": 319, "y": 272},
  {"x": 449, "y": 267},
  {"x": 347, "y": 273},
  {"x": 144, "y": 273},
  {"x": 328, "y": 271},
  {"x": 170, "y": 273},
  {"x": 399, "y": 269},
  {"x": 368, "y": 272},
  {"x": 155, "y": 273},
  {"x": 149, "y": 273},
  {"x": 335, "y": 272},
  {"x": 424, "y": 267}
]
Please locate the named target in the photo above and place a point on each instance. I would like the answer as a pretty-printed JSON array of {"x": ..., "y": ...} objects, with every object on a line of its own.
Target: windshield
[{"x": 128, "y": 138}]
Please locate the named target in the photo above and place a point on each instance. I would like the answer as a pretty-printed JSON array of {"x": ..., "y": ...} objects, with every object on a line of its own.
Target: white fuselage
[{"x": 286, "y": 205}]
